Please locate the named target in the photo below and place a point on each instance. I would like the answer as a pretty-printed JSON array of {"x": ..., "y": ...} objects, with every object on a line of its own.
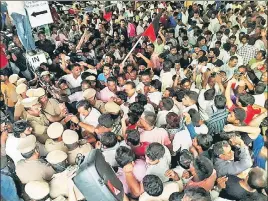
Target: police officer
[
  {"x": 114, "y": 110},
  {"x": 90, "y": 95},
  {"x": 50, "y": 106},
  {"x": 75, "y": 146},
  {"x": 32, "y": 168},
  {"x": 39, "y": 190},
  {"x": 36, "y": 119},
  {"x": 59, "y": 183},
  {"x": 19, "y": 109},
  {"x": 54, "y": 131}
]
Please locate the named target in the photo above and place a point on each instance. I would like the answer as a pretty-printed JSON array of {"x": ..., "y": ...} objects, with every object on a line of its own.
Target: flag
[
  {"x": 153, "y": 28},
  {"x": 107, "y": 16}
]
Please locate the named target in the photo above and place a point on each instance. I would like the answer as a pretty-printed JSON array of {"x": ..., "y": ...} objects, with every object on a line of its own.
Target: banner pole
[{"x": 131, "y": 50}]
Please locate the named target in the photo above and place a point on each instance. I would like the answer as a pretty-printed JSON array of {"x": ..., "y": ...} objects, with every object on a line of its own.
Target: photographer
[{"x": 18, "y": 61}]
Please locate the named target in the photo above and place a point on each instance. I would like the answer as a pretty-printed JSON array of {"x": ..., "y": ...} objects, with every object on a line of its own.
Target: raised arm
[
  {"x": 257, "y": 120},
  {"x": 229, "y": 102},
  {"x": 162, "y": 36},
  {"x": 148, "y": 61},
  {"x": 252, "y": 131}
]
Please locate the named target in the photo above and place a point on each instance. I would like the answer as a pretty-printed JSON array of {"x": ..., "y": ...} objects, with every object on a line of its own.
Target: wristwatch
[{"x": 216, "y": 188}]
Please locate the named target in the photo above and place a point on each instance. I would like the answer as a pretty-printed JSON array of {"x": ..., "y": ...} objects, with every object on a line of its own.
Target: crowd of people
[{"x": 183, "y": 118}]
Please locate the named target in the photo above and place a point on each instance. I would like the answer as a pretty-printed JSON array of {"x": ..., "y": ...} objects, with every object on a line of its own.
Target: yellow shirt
[
  {"x": 158, "y": 49},
  {"x": 9, "y": 92},
  {"x": 188, "y": 3}
]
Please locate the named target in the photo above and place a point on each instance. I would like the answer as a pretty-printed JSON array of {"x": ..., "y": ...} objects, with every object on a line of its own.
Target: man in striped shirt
[{"x": 217, "y": 121}]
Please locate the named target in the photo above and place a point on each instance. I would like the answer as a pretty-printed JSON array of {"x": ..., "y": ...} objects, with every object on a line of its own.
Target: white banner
[
  {"x": 38, "y": 12},
  {"x": 36, "y": 60}
]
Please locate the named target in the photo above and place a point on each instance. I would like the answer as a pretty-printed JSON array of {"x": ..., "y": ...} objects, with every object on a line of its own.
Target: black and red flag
[{"x": 153, "y": 28}]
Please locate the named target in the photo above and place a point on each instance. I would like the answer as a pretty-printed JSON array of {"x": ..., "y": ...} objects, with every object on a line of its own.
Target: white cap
[
  {"x": 56, "y": 156},
  {"x": 37, "y": 190},
  {"x": 27, "y": 144},
  {"x": 21, "y": 80},
  {"x": 13, "y": 78},
  {"x": 70, "y": 137},
  {"x": 112, "y": 107},
  {"x": 39, "y": 92},
  {"x": 55, "y": 130},
  {"x": 21, "y": 88},
  {"x": 29, "y": 102},
  {"x": 45, "y": 73}
]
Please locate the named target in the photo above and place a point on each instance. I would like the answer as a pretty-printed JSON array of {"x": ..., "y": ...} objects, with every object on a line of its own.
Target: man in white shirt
[
  {"x": 21, "y": 129},
  {"x": 189, "y": 100},
  {"x": 154, "y": 94},
  {"x": 259, "y": 94},
  {"x": 130, "y": 89},
  {"x": 108, "y": 145},
  {"x": 88, "y": 118},
  {"x": 166, "y": 75},
  {"x": 140, "y": 29},
  {"x": 182, "y": 140},
  {"x": 158, "y": 159},
  {"x": 88, "y": 114},
  {"x": 71, "y": 97},
  {"x": 165, "y": 106},
  {"x": 230, "y": 67},
  {"x": 206, "y": 102},
  {"x": 74, "y": 79},
  {"x": 214, "y": 24}
]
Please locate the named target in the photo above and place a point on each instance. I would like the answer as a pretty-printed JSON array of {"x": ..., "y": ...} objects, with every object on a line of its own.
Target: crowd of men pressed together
[{"x": 184, "y": 118}]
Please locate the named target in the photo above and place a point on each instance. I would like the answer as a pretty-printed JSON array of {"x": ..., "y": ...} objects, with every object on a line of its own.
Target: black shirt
[
  {"x": 218, "y": 63},
  {"x": 233, "y": 190},
  {"x": 46, "y": 46}
]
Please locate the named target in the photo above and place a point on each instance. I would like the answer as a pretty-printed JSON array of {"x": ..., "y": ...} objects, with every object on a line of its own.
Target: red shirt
[
  {"x": 140, "y": 150},
  {"x": 132, "y": 127},
  {"x": 3, "y": 58},
  {"x": 250, "y": 113}
]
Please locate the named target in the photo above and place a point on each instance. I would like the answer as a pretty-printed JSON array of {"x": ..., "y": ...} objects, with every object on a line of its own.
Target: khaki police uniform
[
  {"x": 38, "y": 190},
  {"x": 59, "y": 183},
  {"x": 39, "y": 124},
  {"x": 70, "y": 137},
  {"x": 91, "y": 93},
  {"x": 100, "y": 106},
  {"x": 113, "y": 108},
  {"x": 52, "y": 107},
  {"x": 55, "y": 131},
  {"x": 32, "y": 170},
  {"x": 59, "y": 186},
  {"x": 19, "y": 108},
  {"x": 52, "y": 145},
  {"x": 81, "y": 149}
]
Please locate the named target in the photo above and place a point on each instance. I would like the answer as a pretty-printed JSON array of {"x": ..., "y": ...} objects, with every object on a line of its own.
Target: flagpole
[{"x": 131, "y": 50}]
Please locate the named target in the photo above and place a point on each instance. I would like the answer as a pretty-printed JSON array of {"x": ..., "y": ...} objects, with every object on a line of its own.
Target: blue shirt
[
  {"x": 173, "y": 22},
  {"x": 102, "y": 78}
]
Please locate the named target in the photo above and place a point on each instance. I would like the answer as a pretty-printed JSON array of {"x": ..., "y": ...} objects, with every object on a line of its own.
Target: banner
[{"x": 38, "y": 12}]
